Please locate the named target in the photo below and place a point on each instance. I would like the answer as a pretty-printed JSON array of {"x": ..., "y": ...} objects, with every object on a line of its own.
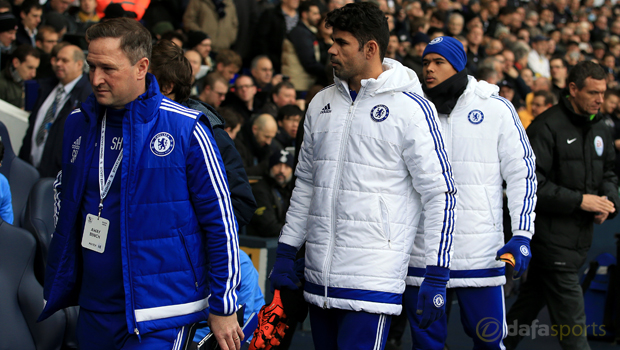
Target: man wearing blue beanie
[{"x": 486, "y": 145}]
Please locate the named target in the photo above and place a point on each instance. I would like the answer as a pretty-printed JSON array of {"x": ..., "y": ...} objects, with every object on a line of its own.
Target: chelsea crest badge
[
  {"x": 476, "y": 116},
  {"x": 379, "y": 113},
  {"x": 162, "y": 144}
]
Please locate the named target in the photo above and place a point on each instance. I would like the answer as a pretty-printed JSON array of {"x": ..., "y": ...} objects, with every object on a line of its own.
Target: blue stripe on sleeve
[
  {"x": 530, "y": 182},
  {"x": 230, "y": 226},
  {"x": 447, "y": 230}
]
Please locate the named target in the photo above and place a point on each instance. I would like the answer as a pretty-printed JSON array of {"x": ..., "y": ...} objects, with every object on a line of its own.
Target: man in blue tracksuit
[{"x": 146, "y": 239}]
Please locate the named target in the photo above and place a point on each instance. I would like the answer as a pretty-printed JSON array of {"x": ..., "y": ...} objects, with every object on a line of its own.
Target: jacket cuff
[
  {"x": 286, "y": 251},
  {"x": 437, "y": 274},
  {"x": 526, "y": 234},
  {"x": 216, "y": 313}
]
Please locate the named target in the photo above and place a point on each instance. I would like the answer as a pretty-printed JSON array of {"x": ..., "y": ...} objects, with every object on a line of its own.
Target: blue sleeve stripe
[
  {"x": 221, "y": 189},
  {"x": 525, "y": 223},
  {"x": 450, "y": 198},
  {"x": 447, "y": 230}
]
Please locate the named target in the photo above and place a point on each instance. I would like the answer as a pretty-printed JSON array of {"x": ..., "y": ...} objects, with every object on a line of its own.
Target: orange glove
[{"x": 271, "y": 325}]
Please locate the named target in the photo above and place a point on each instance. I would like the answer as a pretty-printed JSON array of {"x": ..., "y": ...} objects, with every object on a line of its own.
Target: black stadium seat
[
  {"x": 39, "y": 220},
  {"x": 21, "y": 296}
]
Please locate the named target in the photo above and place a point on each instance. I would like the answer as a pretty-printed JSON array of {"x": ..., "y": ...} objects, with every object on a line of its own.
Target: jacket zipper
[
  {"x": 129, "y": 170},
  {"x": 343, "y": 142},
  {"x": 385, "y": 221},
  {"x": 189, "y": 259}
]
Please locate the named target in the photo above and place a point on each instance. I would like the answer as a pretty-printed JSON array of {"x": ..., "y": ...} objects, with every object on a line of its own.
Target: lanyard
[{"x": 104, "y": 187}]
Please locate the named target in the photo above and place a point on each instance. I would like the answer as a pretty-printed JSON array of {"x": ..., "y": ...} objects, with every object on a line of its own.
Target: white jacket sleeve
[
  {"x": 518, "y": 167},
  {"x": 294, "y": 231},
  {"x": 431, "y": 174}
]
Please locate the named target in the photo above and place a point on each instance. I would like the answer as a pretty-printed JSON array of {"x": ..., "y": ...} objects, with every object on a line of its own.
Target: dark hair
[
  {"x": 584, "y": 70},
  {"x": 564, "y": 63},
  {"x": 439, "y": 15},
  {"x": 417, "y": 23},
  {"x": 214, "y": 77},
  {"x": 1, "y": 151},
  {"x": 289, "y": 111},
  {"x": 434, "y": 30},
  {"x": 231, "y": 117},
  {"x": 612, "y": 92},
  {"x": 171, "y": 69},
  {"x": 25, "y": 50},
  {"x": 28, "y": 5},
  {"x": 174, "y": 35},
  {"x": 549, "y": 96},
  {"x": 364, "y": 21},
  {"x": 305, "y": 6},
  {"x": 607, "y": 55},
  {"x": 507, "y": 10},
  {"x": 58, "y": 47},
  {"x": 4, "y": 4},
  {"x": 41, "y": 32},
  {"x": 285, "y": 84},
  {"x": 485, "y": 73},
  {"x": 136, "y": 40},
  {"x": 228, "y": 57}
]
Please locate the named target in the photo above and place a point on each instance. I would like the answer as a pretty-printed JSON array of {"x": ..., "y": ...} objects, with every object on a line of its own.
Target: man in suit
[
  {"x": 30, "y": 14},
  {"x": 58, "y": 96}
]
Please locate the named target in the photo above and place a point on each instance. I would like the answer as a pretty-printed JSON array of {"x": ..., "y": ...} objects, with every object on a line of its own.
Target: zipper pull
[{"x": 390, "y": 243}]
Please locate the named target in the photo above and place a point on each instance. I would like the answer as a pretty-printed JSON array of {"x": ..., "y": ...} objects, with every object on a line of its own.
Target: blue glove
[
  {"x": 519, "y": 247},
  {"x": 283, "y": 273},
  {"x": 432, "y": 295}
]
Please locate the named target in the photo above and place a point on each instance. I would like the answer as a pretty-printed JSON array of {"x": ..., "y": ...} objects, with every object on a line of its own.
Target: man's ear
[
  {"x": 143, "y": 67},
  {"x": 16, "y": 62},
  {"x": 572, "y": 89},
  {"x": 371, "y": 49}
]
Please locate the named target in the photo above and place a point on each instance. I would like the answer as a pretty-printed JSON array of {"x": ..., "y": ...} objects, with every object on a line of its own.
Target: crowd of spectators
[{"x": 259, "y": 63}]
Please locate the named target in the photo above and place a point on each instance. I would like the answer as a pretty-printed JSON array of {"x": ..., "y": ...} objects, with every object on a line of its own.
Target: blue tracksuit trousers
[
  {"x": 483, "y": 317},
  {"x": 335, "y": 329},
  {"x": 100, "y": 331}
]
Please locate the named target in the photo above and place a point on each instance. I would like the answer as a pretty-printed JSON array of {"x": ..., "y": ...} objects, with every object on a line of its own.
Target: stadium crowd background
[
  {"x": 260, "y": 62},
  {"x": 254, "y": 59}
]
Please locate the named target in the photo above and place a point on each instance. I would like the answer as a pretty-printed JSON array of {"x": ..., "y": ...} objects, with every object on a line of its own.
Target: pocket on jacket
[
  {"x": 490, "y": 208},
  {"x": 189, "y": 258},
  {"x": 385, "y": 220}
]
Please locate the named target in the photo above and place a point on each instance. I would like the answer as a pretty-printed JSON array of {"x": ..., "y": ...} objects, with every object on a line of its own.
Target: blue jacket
[
  {"x": 175, "y": 203},
  {"x": 241, "y": 195}
]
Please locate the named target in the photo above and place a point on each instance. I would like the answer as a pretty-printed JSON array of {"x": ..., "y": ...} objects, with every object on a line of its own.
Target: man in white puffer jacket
[
  {"x": 372, "y": 161},
  {"x": 487, "y": 145}
]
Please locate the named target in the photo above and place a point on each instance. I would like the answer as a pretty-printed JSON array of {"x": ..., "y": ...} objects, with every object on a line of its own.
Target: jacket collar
[
  {"x": 474, "y": 89},
  {"x": 142, "y": 109},
  {"x": 395, "y": 78},
  {"x": 580, "y": 120}
]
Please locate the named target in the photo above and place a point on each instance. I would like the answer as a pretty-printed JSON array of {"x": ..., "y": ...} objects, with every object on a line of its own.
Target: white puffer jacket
[
  {"x": 367, "y": 169},
  {"x": 487, "y": 145}
]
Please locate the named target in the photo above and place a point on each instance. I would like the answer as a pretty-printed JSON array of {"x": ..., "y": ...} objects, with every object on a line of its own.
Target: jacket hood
[
  {"x": 481, "y": 89},
  {"x": 395, "y": 78},
  {"x": 214, "y": 117}
]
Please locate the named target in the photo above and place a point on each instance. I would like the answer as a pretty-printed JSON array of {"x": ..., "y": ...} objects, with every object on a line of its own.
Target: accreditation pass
[{"x": 95, "y": 233}]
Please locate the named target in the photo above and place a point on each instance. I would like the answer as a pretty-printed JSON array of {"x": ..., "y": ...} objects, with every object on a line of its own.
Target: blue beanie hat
[{"x": 451, "y": 49}]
